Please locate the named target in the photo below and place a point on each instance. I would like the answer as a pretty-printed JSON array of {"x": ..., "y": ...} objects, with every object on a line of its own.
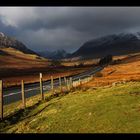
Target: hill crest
[{"x": 115, "y": 44}]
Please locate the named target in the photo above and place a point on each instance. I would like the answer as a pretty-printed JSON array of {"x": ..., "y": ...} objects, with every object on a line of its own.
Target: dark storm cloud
[
  {"x": 66, "y": 27},
  {"x": 87, "y": 19}
]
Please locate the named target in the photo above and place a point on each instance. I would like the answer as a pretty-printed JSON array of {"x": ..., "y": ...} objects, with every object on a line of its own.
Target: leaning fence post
[
  {"x": 23, "y": 95},
  {"x": 41, "y": 86},
  {"x": 52, "y": 86},
  {"x": 1, "y": 99}
]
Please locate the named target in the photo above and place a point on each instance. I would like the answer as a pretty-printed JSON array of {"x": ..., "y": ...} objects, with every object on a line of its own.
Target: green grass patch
[{"x": 102, "y": 110}]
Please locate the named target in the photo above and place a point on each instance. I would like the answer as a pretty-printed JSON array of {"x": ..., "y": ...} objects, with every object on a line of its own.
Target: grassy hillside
[
  {"x": 16, "y": 59},
  {"x": 114, "y": 109},
  {"x": 128, "y": 69}
]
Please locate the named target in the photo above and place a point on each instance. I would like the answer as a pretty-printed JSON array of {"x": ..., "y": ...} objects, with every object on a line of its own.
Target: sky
[{"x": 68, "y": 28}]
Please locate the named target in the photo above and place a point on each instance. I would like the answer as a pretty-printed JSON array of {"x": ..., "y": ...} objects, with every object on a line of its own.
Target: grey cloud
[{"x": 67, "y": 27}]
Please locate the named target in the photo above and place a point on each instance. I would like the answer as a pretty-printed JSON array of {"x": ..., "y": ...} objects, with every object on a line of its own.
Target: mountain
[
  {"x": 14, "y": 55},
  {"x": 8, "y": 42},
  {"x": 115, "y": 44},
  {"x": 59, "y": 54}
]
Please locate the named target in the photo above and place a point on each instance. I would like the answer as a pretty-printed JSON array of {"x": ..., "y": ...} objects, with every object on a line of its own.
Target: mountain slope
[
  {"x": 6, "y": 42},
  {"x": 11, "y": 58},
  {"x": 116, "y": 44},
  {"x": 15, "y": 55},
  {"x": 59, "y": 54}
]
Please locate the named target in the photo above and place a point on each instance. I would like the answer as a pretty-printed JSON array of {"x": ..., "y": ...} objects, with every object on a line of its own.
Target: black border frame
[{"x": 96, "y": 3}]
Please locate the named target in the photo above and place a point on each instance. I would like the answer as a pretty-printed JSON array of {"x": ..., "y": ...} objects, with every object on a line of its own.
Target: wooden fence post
[
  {"x": 79, "y": 81},
  {"x": 71, "y": 84},
  {"x": 86, "y": 79},
  {"x": 67, "y": 85},
  {"x": 23, "y": 95},
  {"x": 65, "y": 80},
  {"x": 41, "y": 87},
  {"x": 52, "y": 86},
  {"x": 60, "y": 84},
  {"x": 1, "y": 99},
  {"x": 75, "y": 85}
]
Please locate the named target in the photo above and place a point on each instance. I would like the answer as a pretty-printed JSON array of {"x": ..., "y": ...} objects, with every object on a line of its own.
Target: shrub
[
  {"x": 98, "y": 74},
  {"x": 106, "y": 60},
  {"x": 116, "y": 62},
  {"x": 81, "y": 64},
  {"x": 55, "y": 63}
]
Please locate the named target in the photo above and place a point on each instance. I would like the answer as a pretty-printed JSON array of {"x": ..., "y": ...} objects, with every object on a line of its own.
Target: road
[{"x": 13, "y": 94}]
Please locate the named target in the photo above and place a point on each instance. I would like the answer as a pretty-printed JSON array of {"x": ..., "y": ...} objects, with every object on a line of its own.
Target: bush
[
  {"x": 116, "y": 62},
  {"x": 98, "y": 74},
  {"x": 81, "y": 64},
  {"x": 56, "y": 63},
  {"x": 106, "y": 60}
]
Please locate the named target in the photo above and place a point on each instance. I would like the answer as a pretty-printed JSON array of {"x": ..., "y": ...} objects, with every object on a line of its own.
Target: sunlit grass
[{"x": 96, "y": 110}]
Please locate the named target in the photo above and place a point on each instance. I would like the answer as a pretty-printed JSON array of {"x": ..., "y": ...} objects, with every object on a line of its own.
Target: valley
[
  {"x": 69, "y": 69},
  {"x": 93, "y": 104},
  {"x": 18, "y": 62},
  {"x": 98, "y": 106}
]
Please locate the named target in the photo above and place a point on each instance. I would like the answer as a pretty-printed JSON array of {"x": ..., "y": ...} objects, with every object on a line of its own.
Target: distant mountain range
[
  {"x": 59, "y": 54},
  {"x": 8, "y": 42},
  {"x": 115, "y": 44}
]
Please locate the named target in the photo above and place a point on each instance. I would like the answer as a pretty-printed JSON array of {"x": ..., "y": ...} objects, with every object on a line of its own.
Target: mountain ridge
[
  {"x": 58, "y": 54},
  {"x": 6, "y": 42},
  {"x": 115, "y": 44}
]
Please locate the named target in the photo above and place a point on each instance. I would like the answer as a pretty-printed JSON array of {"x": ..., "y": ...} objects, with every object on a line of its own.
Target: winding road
[{"x": 13, "y": 94}]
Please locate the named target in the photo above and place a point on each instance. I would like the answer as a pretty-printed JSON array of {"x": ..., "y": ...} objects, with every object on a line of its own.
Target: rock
[{"x": 114, "y": 84}]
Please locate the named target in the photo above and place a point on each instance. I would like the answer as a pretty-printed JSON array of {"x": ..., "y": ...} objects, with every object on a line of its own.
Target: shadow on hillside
[
  {"x": 126, "y": 60},
  {"x": 22, "y": 114}
]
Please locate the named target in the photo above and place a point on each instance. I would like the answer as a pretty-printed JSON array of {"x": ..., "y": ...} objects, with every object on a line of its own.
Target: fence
[{"x": 68, "y": 83}]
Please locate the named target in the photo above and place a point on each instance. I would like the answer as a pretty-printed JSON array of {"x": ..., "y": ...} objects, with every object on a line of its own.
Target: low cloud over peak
[{"x": 66, "y": 28}]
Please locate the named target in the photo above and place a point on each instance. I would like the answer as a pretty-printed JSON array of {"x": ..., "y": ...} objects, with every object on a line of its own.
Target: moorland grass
[{"x": 113, "y": 109}]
